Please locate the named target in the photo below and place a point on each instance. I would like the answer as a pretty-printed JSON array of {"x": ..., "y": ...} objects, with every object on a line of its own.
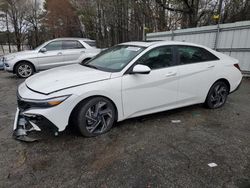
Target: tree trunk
[{"x": 8, "y": 31}]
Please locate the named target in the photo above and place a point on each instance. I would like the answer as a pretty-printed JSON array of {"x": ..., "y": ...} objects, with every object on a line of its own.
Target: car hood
[
  {"x": 64, "y": 77},
  {"x": 27, "y": 52}
]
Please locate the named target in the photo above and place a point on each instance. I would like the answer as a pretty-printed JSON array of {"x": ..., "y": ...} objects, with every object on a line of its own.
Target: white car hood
[{"x": 64, "y": 77}]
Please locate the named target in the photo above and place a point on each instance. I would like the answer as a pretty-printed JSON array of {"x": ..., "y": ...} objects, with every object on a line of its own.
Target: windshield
[
  {"x": 114, "y": 59},
  {"x": 38, "y": 47}
]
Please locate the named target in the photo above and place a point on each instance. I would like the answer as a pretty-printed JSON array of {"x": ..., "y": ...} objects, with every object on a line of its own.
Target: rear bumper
[{"x": 236, "y": 87}]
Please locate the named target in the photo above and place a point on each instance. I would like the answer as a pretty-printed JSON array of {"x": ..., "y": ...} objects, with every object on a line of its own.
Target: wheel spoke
[
  {"x": 98, "y": 107},
  {"x": 107, "y": 111},
  {"x": 90, "y": 118},
  {"x": 104, "y": 124},
  {"x": 101, "y": 104},
  {"x": 212, "y": 98},
  {"x": 216, "y": 89},
  {"x": 93, "y": 127}
]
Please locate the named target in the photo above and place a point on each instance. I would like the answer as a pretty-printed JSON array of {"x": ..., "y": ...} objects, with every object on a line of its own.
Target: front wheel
[
  {"x": 95, "y": 116},
  {"x": 24, "y": 70},
  {"x": 217, "y": 95}
]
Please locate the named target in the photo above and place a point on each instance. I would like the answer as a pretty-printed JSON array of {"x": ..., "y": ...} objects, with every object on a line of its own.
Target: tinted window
[
  {"x": 91, "y": 43},
  {"x": 158, "y": 58},
  {"x": 190, "y": 54},
  {"x": 72, "y": 44},
  {"x": 56, "y": 45}
]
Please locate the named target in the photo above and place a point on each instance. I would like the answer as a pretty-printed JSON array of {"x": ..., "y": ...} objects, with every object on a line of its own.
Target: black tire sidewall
[
  {"x": 81, "y": 119},
  {"x": 24, "y": 63},
  {"x": 208, "y": 101}
]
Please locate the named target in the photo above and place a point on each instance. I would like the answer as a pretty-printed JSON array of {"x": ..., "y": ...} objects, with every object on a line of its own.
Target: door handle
[
  {"x": 82, "y": 51},
  {"x": 59, "y": 53},
  {"x": 171, "y": 74},
  {"x": 211, "y": 66}
]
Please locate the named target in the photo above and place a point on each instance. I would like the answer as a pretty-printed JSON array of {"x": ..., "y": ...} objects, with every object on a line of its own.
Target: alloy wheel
[
  {"x": 98, "y": 117},
  {"x": 25, "y": 70},
  {"x": 219, "y": 95}
]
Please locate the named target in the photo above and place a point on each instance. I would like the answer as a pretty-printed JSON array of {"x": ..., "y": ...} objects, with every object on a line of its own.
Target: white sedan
[{"x": 128, "y": 80}]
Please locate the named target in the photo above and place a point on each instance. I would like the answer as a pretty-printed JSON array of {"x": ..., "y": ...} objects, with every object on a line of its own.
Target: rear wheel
[
  {"x": 217, "y": 95},
  {"x": 96, "y": 116},
  {"x": 24, "y": 70}
]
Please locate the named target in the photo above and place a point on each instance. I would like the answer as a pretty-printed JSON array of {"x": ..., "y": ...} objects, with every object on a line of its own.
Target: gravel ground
[{"x": 149, "y": 151}]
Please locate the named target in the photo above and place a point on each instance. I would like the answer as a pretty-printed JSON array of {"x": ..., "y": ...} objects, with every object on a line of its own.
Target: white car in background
[
  {"x": 128, "y": 80},
  {"x": 53, "y": 53}
]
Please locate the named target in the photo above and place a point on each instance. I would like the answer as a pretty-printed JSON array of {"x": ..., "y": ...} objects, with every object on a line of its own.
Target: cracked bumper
[{"x": 25, "y": 125}]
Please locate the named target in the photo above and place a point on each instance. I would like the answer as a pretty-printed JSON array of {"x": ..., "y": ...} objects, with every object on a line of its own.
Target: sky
[{"x": 2, "y": 23}]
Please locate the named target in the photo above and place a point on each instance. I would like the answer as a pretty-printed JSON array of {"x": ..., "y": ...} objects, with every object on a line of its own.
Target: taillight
[{"x": 237, "y": 66}]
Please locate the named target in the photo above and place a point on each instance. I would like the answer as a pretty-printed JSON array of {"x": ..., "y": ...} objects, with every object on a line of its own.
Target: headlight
[
  {"x": 8, "y": 58},
  {"x": 29, "y": 103}
]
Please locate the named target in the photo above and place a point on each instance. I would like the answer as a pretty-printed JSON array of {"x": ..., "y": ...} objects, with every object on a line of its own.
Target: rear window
[
  {"x": 91, "y": 43},
  {"x": 71, "y": 44},
  {"x": 192, "y": 54}
]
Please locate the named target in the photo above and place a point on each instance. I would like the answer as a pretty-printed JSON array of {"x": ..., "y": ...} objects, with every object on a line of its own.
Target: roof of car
[
  {"x": 163, "y": 42},
  {"x": 73, "y": 38}
]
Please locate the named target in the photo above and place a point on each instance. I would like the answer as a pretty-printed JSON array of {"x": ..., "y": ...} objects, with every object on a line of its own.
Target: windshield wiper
[{"x": 91, "y": 66}]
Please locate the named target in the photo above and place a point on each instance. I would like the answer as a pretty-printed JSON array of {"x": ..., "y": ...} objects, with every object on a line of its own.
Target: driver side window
[
  {"x": 157, "y": 58},
  {"x": 56, "y": 45}
]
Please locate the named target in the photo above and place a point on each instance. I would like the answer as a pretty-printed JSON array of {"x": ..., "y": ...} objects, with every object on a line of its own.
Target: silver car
[
  {"x": 53, "y": 53},
  {"x": 1, "y": 63}
]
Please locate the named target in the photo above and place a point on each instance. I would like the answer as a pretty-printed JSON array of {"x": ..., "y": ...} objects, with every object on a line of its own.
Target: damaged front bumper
[{"x": 25, "y": 125}]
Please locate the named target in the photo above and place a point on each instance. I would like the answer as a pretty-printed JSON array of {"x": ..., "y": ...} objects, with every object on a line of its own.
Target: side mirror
[
  {"x": 141, "y": 69},
  {"x": 43, "y": 50}
]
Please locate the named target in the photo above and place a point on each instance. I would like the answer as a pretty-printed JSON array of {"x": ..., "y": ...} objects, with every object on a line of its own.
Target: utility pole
[
  {"x": 218, "y": 24},
  {"x": 219, "y": 11},
  {"x": 143, "y": 29}
]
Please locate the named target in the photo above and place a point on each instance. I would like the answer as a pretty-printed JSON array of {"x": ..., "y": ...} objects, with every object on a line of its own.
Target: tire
[
  {"x": 217, "y": 95},
  {"x": 24, "y": 70},
  {"x": 96, "y": 116}
]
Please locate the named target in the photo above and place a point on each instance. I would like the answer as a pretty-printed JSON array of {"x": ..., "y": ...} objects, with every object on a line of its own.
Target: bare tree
[
  {"x": 17, "y": 12},
  {"x": 4, "y": 15},
  {"x": 34, "y": 17},
  {"x": 193, "y": 11}
]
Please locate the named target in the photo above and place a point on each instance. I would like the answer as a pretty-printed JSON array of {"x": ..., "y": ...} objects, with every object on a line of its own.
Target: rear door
[
  {"x": 196, "y": 73},
  {"x": 72, "y": 51},
  {"x": 53, "y": 57},
  {"x": 153, "y": 92}
]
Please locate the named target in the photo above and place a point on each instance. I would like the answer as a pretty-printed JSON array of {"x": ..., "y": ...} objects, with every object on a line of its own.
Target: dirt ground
[{"x": 149, "y": 151}]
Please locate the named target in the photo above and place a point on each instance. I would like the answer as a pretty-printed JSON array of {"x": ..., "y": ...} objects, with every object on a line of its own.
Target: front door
[
  {"x": 53, "y": 56},
  {"x": 153, "y": 92}
]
